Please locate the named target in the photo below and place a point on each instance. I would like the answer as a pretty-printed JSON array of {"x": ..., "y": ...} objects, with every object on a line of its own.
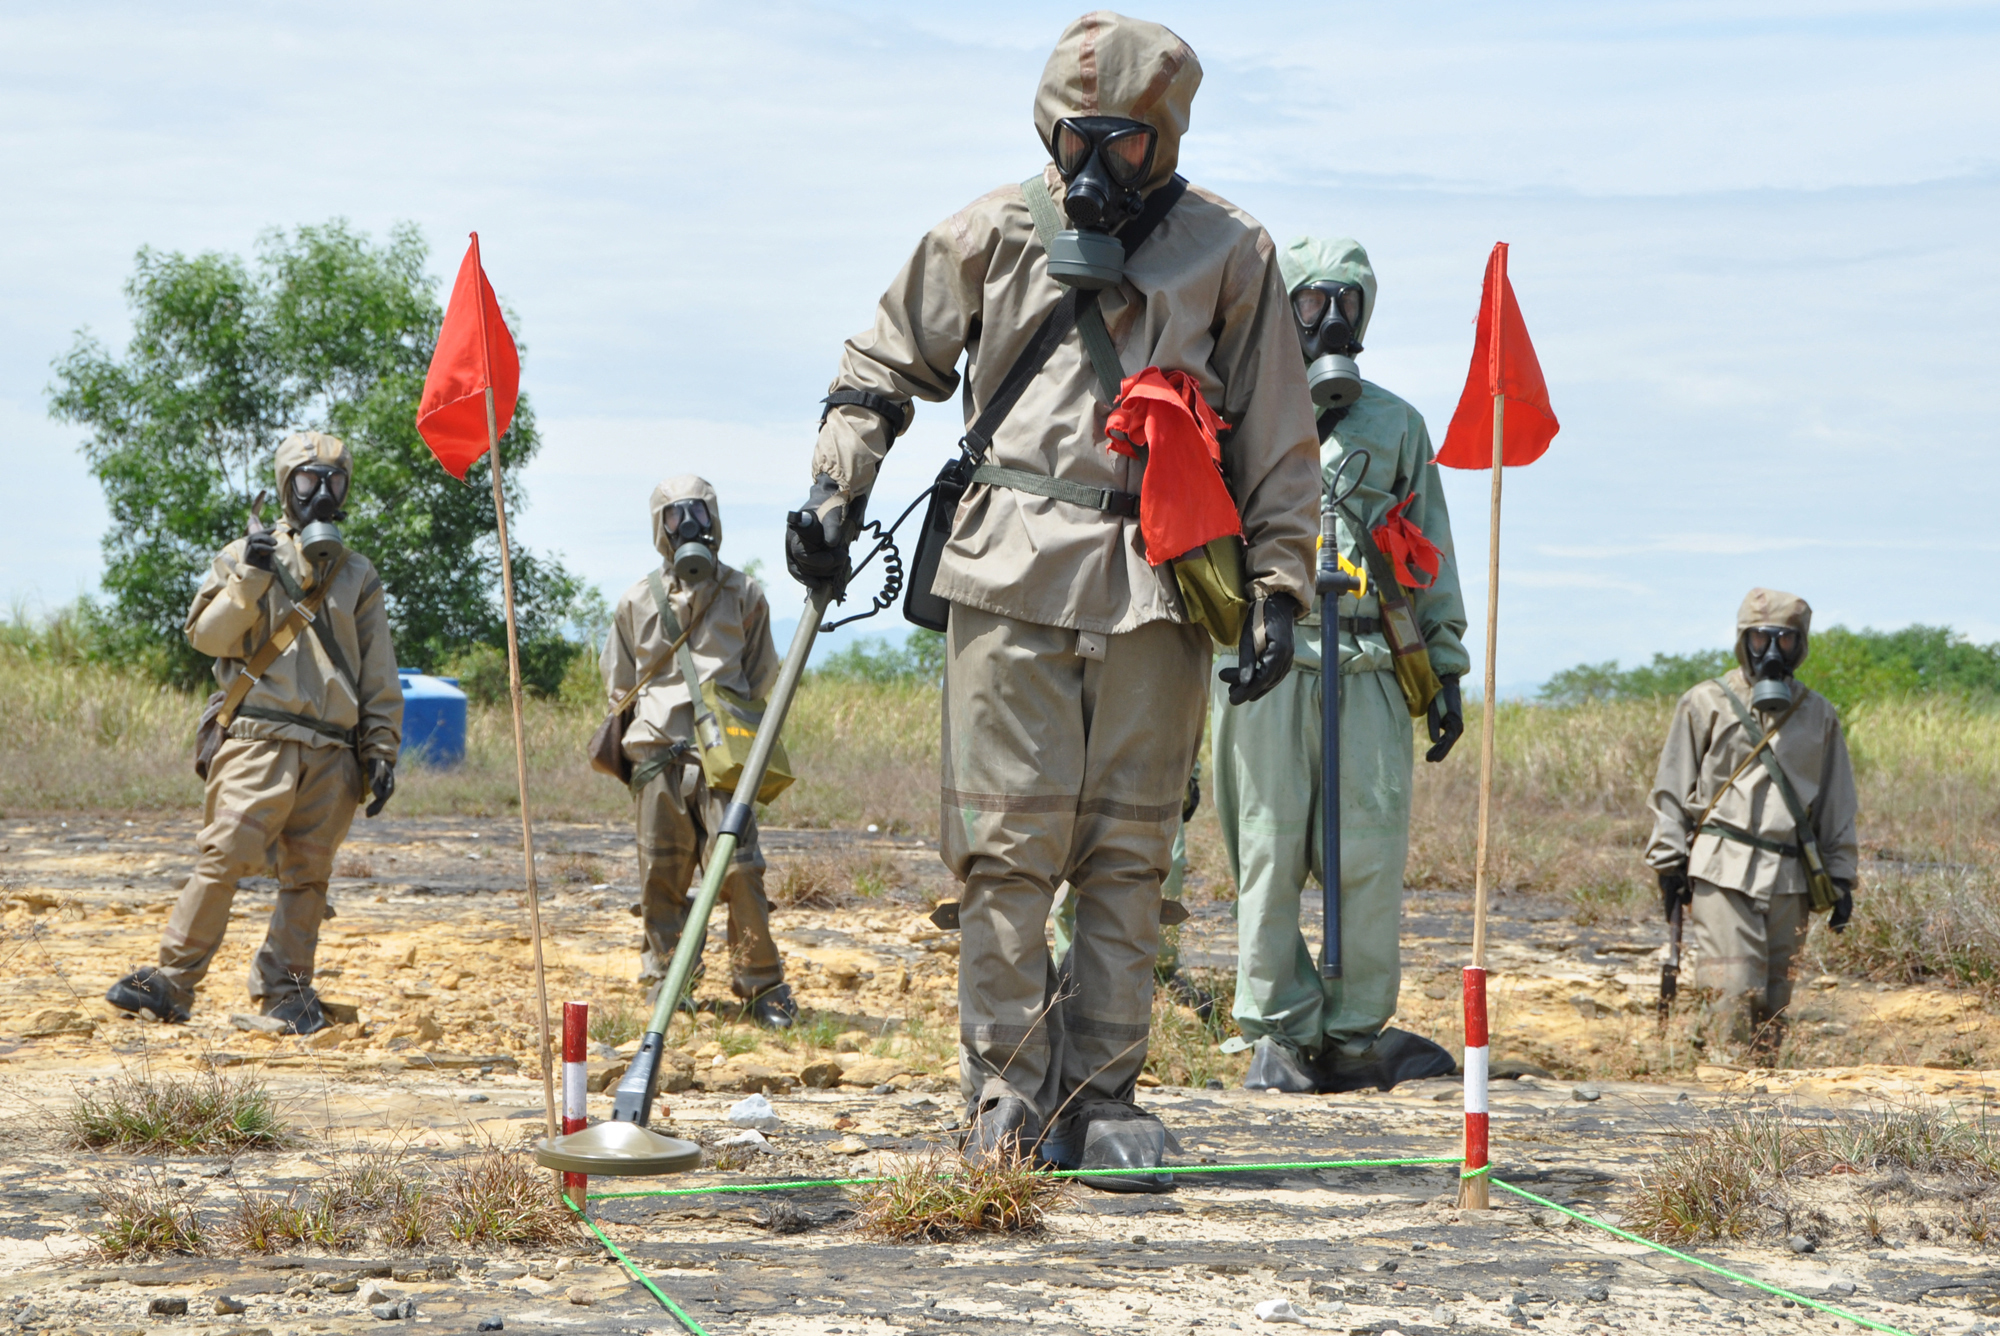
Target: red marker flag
[
  {"x": 475, "y": 352},
  {"x": 1503, "y": 363}
]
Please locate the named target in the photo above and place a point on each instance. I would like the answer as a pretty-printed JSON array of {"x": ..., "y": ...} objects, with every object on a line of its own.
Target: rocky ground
[{"x": 435, "y": 1062}]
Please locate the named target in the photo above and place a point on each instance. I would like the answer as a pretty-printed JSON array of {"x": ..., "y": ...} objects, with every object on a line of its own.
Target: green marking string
[
  {"x": 1294, "y": 1165},
  {"x": 666, "y": 1301},
  {"x": 1725, "y": 1272}
]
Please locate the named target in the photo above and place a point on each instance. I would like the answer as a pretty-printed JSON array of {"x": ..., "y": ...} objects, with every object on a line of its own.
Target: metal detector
[{"x": 1330, "y": 585}]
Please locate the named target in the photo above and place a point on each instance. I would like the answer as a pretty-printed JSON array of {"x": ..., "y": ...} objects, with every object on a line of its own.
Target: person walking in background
[
  {"x": 308, "y": 722},
  {"x": 1753, "y": 819},
  {"x": 1311, "y": 1033},
  {"x": 692, "y": 621}
]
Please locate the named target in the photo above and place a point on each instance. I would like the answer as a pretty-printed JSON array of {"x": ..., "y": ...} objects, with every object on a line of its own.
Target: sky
[{"x": 1752, "y": 241}]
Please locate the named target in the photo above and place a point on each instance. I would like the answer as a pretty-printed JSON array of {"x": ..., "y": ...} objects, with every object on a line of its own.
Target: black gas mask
[
  {"x": 1103, "y": 161},
  {"x": 691, "y": 534},
  {"x": 1329, "y": 316},
  {"x": 316, "y": 497},
  {"x": 1773, "y": 653}
]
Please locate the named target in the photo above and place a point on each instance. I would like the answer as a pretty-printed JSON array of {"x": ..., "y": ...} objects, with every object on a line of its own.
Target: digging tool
[
  {"x": 1670, "y": 969},
  {"x": 1334, "y": 580}
]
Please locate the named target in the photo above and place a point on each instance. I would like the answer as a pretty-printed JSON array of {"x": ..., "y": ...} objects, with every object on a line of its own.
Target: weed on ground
[
  {"x": 201, "y": 1115},
  {"x": 941, "y": 1197},
  {"x": 145, "y": 1221}
]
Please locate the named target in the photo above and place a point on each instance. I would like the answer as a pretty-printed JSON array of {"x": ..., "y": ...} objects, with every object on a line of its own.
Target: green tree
[{"x": 327, "y": 329}]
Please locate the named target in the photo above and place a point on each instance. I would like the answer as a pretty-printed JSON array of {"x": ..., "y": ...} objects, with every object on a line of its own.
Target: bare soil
[{"x": 429, "y": 945}]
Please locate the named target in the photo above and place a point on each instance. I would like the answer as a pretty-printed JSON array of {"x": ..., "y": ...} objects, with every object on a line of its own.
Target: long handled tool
[
  {"x": 1331, "y": 584},
  {"x": 1670, "y": 970}
]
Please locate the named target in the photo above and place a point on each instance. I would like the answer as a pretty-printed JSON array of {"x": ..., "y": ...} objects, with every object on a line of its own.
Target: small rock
[
  {"x": 450, "y": 980},
  {"x": 850, "y": 1145},
  {"x": 258, "y": 1024},
  {"x": 1391, "y": 1265},
  {"x": 756, "y": 1112},
  {"x": 225, "y": 1304},
  {"x": 1442, "y": 1316},
  {"x": 1586, "y": 1006},
  {"x": 1597, "y": 1294},
  {"x": 1213, "y": 1084},
  {"x": 490, "y": 1324},
  {"x": 1841, "y": 1288},
  {"x": 52, "y": 1022},
  {"x": 340, "y": 1010},
  {"x": 604, "y": 1074},
  {"x": 177, "y": 1182},
  {"x": 1586, "y": 1094},
  {"x": 1799, "y": 1243},
  {"x": 476, "y": 1098},
  {"x": 342, "y": 1285},
  {"x": 579, "y": 1296},
  {"x": 884, "y": 1089},
  {"x": 822, "y": 1075},
  {"x": 375, "y": 1294},
  {"x": 168, "y": 1307},
  {"x": 751, "y": 1138},
  {"x": 390, "y": 1312},
  {"x": 1279, "y": 1310}
]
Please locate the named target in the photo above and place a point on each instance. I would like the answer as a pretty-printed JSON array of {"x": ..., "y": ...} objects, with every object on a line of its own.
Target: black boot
[
  {"x": 1006, "y": 1127},
  {"x": 1395, "y": 1056},
  {"x": 774, "y": 1008},
  {"x": 1190, "y": 995},
  {"x": 1275, "y": 1066},
  {"x": 144, "y": 992},
  {"x": 300, "y": 1011},
  {"x": 1115, "y": 1134}
]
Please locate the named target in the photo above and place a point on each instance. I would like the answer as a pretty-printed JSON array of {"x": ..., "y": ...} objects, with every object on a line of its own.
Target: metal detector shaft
[
  {"x": 1331, "y": 584},
  {"x": 634, "y": 1100},
  {"x": 1670, "y": 972}
]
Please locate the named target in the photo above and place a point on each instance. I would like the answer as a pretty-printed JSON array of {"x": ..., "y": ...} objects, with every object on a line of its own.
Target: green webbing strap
[
  {"x": 651, "y": 768},
  {"x": 1089, "y": 320},
  {"x": 1745, "y": 837},
  {"x": 1107, "y": 499},
  {"x": 319, "y": 726},
  {"x": 690, "y": 675}
]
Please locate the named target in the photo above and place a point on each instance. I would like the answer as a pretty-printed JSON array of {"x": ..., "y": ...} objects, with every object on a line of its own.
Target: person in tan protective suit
[
  {"x": 727, "y": 623},
  {"x": 319, "y": 731},
  {"x": 1074, "y": 681},
  {"x": 1725, "y": 842}
]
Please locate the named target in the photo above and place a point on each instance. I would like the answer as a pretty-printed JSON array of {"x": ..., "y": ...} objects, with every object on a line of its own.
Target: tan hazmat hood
[{"x": 1108, "y": 65}]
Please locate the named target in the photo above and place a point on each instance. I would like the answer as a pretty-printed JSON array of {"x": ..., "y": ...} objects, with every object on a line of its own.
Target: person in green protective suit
[{"x": 1311, "y": 1033}]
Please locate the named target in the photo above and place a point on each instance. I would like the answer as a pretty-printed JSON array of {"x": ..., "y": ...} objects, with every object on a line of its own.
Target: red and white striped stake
[
  {"x": 1472, "y": 1190},
  {"x": 575, "y": 1088}
]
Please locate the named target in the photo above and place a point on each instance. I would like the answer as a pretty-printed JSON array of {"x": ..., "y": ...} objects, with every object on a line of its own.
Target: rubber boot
[
  {"x": 1395, "y": 1056},
  {"x": 774, "y": 1008},
  {"x": 1273, "y": 1066},
  {"x": 1006, "y": 1127},
  {"x": 300, "y": 1011},
  {"x": 1126, "y": 1143}
]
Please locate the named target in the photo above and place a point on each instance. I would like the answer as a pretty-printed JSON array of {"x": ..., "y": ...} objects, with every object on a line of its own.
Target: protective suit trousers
[
  {"x": 1057, "y": 767},
  {"x": 1267, "y": 795},
  {"x": 1745, "y": 952},
  {"x": 1168, "y": 961},
  {"x": 282, "y": 802},
  {"x": 677, "y": 819}
]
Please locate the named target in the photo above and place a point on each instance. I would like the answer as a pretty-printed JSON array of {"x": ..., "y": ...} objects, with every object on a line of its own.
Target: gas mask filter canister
[
  {"x": 1103, "y": 160},
  {"x": 1329, "y": 316}
]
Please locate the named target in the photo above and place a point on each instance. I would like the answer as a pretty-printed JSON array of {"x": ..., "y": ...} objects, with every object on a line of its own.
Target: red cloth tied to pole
[
  {"x": 1183, "y": 502},
  {"x": 474, "y": 351},
  {"x": 1503, "y": 363},
  {"x": 1404, "y": 543}
]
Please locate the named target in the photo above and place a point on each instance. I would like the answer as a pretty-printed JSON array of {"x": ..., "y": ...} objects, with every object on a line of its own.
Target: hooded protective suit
[
  {"x": 285, "y": 783},
  {"x": 728, "y": 622},
  {"x": 1073, "y": 683},
  {"x": 1749, "y": 894},
  {"x": 1267, "y": 752}
]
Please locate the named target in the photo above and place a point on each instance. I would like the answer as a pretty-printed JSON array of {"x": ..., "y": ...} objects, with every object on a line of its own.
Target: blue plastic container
[{"x": 433, "y": 718}]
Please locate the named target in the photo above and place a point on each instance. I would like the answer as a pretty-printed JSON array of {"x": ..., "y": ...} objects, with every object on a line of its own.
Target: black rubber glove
[
  {"x": 818, "y": 536},
  {"x": 260, "y": 548},
  {"x": 1193, "y": 798},
  {"x": 1266, "y": 654},
  {"x": 1843, "y": 908},
  {"x": 382, "y": 783},
  {"x": 1674, "y": 892},
  {"x": 1446, "y": 720}
]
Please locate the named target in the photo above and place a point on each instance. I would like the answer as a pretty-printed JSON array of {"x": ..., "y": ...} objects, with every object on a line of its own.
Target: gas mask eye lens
[
  {"x": 1350, "y": 306},
  {"x": 1127, "y": 153},
  {"x": 336, "y": 486},
  {"x": 1759, "y": 640},
  {"x": 1072, "y": 149},
  {"x": 1309, "y": 305},
  {"x": 304, "y": 484}
]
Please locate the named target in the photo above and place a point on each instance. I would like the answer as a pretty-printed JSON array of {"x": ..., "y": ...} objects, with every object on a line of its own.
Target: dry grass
[
  {"x": 1765, "y": 1174},
  {"x": 145, "y": 1221},
  {"x": 496, "y": 1200},
  {"x": 1183, "y": 1048},
  {"x": 941, "y": 1197},
  {"x": 201, "y": 1115},
  {"x": 830, "y": 881}
]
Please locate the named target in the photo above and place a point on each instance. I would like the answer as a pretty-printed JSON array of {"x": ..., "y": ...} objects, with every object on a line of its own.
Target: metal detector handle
[
  {"x": 1670, "y": 972},
  {"x": 1330, "y": 585},
  {"x": 633, "y": 1102}
]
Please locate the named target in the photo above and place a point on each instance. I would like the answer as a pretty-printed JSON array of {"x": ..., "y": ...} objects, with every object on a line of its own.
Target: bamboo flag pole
[{"x": 521, "y": 771}]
